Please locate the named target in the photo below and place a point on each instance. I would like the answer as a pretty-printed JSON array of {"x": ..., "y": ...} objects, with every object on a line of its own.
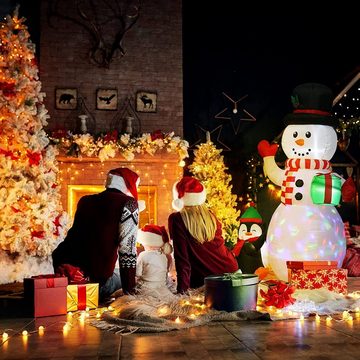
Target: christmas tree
[
  {"x": 208, "y": 167},
  {"x": 32, "y": 221}
]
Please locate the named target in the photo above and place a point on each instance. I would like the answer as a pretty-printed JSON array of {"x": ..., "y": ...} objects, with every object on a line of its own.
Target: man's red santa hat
[
  {"x": 189, "y": 191},
  {"x": 155, "y": 236},
  {"x": 127, "y": 181}
]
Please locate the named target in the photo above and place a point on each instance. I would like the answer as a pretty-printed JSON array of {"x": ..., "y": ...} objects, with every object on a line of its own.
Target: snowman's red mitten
[
  {"x": 267, "y": 149},
  {"x": 237, "y": 248}
]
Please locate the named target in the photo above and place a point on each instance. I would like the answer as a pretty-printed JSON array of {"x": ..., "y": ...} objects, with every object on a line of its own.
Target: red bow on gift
[
  {"x": 74, "y": 274},
  {"x": 278, "y": 295}
]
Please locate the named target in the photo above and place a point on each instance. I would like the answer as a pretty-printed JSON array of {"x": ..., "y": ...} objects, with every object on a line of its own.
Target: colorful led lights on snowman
[{"x": 306, "y": 224}]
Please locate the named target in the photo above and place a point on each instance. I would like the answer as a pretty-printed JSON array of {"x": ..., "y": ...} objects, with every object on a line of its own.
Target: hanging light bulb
[{"x": 235, "y": 108}]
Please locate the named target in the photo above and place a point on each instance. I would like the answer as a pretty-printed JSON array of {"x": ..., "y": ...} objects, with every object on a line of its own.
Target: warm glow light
[
  {"x": 25, "y": 333},
  {"x": 5, "y": 336},
  {"x": 177, "y": 320},
  {"x": 317, "y": 317},
  {"x": 41, "y": 330},
  {"x": 163, "y": 310}
]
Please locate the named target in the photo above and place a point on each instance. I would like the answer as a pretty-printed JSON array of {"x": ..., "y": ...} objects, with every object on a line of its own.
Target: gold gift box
[{"x": 82, "y": 296}]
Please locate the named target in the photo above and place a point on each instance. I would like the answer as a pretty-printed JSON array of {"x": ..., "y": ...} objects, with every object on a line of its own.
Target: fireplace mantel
[{"x": 157, "y": 174}]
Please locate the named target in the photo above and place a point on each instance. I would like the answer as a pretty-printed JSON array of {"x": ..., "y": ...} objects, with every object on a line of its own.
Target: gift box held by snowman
[{"x": 326, "y": 189}]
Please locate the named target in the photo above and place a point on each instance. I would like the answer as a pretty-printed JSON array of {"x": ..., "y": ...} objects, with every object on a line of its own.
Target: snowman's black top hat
[{"x": 312, "y": 104}]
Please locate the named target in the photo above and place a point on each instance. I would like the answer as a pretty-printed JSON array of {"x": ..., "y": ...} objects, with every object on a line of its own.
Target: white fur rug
[
  {"x": 159, "y": 312},
  {"x": 163, "y": 311}
]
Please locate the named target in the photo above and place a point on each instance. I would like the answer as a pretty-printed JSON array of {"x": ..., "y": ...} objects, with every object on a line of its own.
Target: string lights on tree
[
  {"x": 208, "y": 167},
  {"x": 32, "y": 221},
  {"x": 256, "y": 181}
]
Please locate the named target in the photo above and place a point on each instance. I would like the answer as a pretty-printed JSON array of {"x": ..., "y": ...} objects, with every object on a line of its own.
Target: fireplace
[
  {"x": 81, "y": 176},
  {"x": 148, "y": 193}
]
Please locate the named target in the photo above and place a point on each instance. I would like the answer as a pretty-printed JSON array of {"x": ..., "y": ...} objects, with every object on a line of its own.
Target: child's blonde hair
[{"x": 200, "y": 222}]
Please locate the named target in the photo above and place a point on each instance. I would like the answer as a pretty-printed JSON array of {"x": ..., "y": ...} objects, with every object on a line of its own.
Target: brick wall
[{"x": 153, "y": 62}]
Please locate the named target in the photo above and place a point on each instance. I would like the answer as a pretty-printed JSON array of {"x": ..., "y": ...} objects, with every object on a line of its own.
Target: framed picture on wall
[
  {"x": 106, "y": 99},
  {"x": 146, "y": 101},
  {"x": 66, "y": 98}
]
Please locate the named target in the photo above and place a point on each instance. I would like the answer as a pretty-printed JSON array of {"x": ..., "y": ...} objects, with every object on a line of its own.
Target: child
[{"x": 154, "y": 263}]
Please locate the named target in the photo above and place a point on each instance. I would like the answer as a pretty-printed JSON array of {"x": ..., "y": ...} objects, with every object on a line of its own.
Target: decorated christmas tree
[
  {"x": 32, "y": 221},
  {"x": 208, "y": 167}
]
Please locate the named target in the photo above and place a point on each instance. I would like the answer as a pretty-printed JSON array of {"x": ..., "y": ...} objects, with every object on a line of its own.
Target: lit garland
[{"x": 111, "y": 144}]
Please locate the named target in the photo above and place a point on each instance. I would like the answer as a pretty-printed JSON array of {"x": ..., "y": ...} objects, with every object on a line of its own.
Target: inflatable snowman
[{"x": 306, "y": 225}]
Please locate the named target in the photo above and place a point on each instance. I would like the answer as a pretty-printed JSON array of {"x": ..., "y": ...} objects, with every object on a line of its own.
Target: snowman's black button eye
[
  {"x": 295, "y": 134},
  {"x": 308, "y": 134}
]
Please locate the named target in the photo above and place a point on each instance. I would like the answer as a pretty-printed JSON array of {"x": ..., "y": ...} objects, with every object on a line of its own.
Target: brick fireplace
[{"x": 81, "y": 176}]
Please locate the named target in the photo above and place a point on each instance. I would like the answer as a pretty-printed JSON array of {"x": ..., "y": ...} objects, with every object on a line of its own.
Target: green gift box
[
  {"x": 326, "y": 189},
  {"x": 231, "y": 291}
]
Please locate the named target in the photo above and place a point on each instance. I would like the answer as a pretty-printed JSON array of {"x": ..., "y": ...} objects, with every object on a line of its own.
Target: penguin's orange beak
[{"x": 300, "y": 142}]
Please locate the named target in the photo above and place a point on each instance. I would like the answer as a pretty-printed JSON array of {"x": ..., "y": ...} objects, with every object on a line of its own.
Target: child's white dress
[{"x": 152, "y": 273}]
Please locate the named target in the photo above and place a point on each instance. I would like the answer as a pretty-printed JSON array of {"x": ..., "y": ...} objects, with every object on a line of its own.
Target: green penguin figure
[{"x": 250, "y": 240}]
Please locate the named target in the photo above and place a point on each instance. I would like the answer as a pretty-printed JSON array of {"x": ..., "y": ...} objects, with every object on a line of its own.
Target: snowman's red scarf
[{"x": 293, "y": 165}]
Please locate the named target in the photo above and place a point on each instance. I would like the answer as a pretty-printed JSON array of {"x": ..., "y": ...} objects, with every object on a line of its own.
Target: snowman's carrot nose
[{"x": 300, "y": 142}]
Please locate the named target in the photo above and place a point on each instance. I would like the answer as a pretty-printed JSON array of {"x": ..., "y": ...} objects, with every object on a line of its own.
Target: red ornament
[
  {"x": 9, "y": 153},
  {"x": 56, "y": 222},
  {"x": 157, "y": 134},
  {"x": 34, "y": 157},
  {"x": 59, "y": 133},
  {"x": 39, "y": 234},
  {"x": 111, "y": 136}
]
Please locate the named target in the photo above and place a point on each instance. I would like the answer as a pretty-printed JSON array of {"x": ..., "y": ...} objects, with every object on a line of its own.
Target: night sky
[{"x": 261, "y": 53}]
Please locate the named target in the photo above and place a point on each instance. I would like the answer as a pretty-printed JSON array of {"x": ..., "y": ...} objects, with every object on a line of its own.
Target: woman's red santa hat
[
  {"x": 127, "y": 181},
  {"x": 189, "y": 191},
  {"x": 155, "y": 236}
]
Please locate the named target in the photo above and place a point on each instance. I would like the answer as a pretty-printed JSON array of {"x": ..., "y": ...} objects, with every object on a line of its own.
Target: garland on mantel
[{"x": 112, "y": 144}]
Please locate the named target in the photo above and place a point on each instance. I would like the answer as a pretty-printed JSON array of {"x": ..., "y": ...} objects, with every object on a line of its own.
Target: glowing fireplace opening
[{"x": 147, "y": 193}]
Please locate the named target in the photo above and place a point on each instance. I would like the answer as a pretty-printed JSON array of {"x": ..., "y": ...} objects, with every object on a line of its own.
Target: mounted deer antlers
[{"x": 107, "y": 21}]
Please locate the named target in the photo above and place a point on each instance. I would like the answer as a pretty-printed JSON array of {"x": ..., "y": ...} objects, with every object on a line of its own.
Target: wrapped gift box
[
  {"x": 45, "y": 295},
  {"x": 231, "y": 292},
  {"x": 331, "y": 279},
  {"x": 82, "y": 296},
  {"x": 326, "y": 189},
  {"x": 312, "y": 265}
]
